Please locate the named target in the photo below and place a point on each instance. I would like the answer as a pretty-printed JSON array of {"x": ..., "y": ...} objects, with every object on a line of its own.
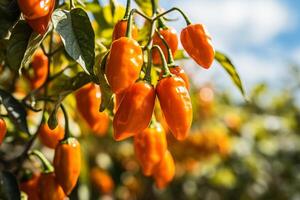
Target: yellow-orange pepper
[
  {"x": 170, "y": 36},
  {"x": 123, "y": 64},
  {"x": 102, "y": 180},
  {"x": 164, "y": 172},
  {"x": 120, "y": 30},
  {"x": 30, "y": 187},
  {"x": 49, "y": 189},
  {"x": 197, "y": 43},
  {"x": 88, "y": 99},
  {"x": 178, "y": 71},
  {"x": 39, "y": 65},
  {"x": 135, "y": 111},
  {"x": 176, "y": 105},
  {"x": 51, "y": 138},
  {"x": 2, "y": 130},
  {"x": 67, "y": 163},
  {"x": 150, "y": 146},
  {"x": 33, "y": 9}
]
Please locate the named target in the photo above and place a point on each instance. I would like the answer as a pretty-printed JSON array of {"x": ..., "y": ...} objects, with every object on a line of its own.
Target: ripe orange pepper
[
  {"x": 118, "y": 99},
  {"x": 40, "y": 25},
  {"x": 120, "y": 30},
  {"x": 170, "y": 36},
  {"x": 150, "y": 146},
  {"x": 176, "y": 105},
  {"x": 135, "y": 111},
  {"x": 178, "y": 71},
  {"x": 123, "y": 64},
  {"x": 2, "y": 130},
  {"x": 33, "y": 9},
  {"x": 39, "y": 65},
  {"x": 102, "y": 180},
  {"x": 197, "y": 43},
  {"x": 51, "y": 138},
  {"x": 67, "y": 163},
  {"x": 30, "y": 187},
  {"x": 88, "y": 100},
  {"x": 164, "y": 171},
  {"x": 49, "y": 189}
]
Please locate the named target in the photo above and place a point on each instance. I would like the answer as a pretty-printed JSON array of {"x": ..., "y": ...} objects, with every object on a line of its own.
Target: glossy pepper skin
[
  {"x": 120, "y": 30},
  {"x": 135, "y": 111},
  {"x": 197, "y": 43},
  {"x": 88, "y": 99},
  {"x": 170, "y": 35},
  {"x": 40, "y": 25},
  {"x": 67, "y": 164},
  {"x": 150, "y": 146},
  {"x": 2, "y": 130},
  {"x": 39, "y": 65},
  {"x": 123, "y": 64},
  {"x": 164, "y": 171},
  {"x": 30, "y": 187},
  {"x": 49, "y": 189},
  {"x": 178, "y": 71},
  {"x": 176, "y": 105},
  {"x": 33, "y": 9},
  {"x": 51, "y": 138}
]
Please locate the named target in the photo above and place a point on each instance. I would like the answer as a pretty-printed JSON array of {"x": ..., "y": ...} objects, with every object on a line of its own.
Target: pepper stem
[
  {"x": 171, "y": 61},
  {"x": 67, "y": 132},
  {"x": 164, "y": 62},
  {"x": 129, "y": 24},
  {"x": 127, "y": 9},
  {"x": 154, "y": 7},
  {"x": 47, "y": 167},
  {"x": 187, "y": 20},
  {"x": 149, "y": 66}
]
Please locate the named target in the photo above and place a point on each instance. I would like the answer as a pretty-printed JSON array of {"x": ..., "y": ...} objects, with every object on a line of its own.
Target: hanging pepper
[
  {"x": 33, "y": 9},
  {"x": 135, "y": 111},
  {"x": 164, "y": 172},
  {"x": 2, "y": 130},
  {"x": 39, "y": 65},
  {"x": 49, "y": 189},
  {"x": 150, "y": 146},
  {"x": 67, "y": 163},
  {"x": 50, "y": 138},
  {"x": 88, "y": 99},
  {"x": 120, "y": 30},
  {"x": 179, "y": 72},
  {"x": 102, "y": 180},
  {"x": 30, "y": 186},
  {"x": 170, "y": 36},
  {"x": 123, "y": 64},
  {"x": 39, "y": 24},
  {"x": 197, "y": 43}
]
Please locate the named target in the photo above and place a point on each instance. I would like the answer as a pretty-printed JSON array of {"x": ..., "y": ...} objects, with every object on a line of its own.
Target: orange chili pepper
[
  {"x": 33, "y": 9},
  {"x": 39, "y": 65},
  {"x": 120, "y": 30},
  {"x": 197, "y": 43},
  {"x": 49, "y": 189},
  {"x": 40, "y": 25},
  {"x": 150, "y": 146},
  {"x": 164, "y": 172},
  {"x": 102, "y": 180},
  {"x": 170, "y": 36},
  {"x": 51, "y": 138},
  {"x": 67, "y": 163},
  {"x": 2, "y": 130},
  {"x": 30, "y": 187},
  {"x": 178, "y": 71},
  {"x": 123, "y": 64},
  {"x": 88, "y": 99},
  {"x": 135, "y": 111},
  {"x": 176, "y": 105}
]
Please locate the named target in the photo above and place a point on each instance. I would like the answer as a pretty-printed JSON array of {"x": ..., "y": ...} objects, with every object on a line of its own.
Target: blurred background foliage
[{"x": 236, "y": 149}]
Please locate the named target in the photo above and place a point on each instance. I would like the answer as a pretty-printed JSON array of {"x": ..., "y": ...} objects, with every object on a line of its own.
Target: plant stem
[
  {"x": 164, "y": 62},
  {"x": 171, "y": 61},
  {"x": 149, "y": 66},
  {"x": 127, "y": 9},
  {"x": 67, "y": 132},
  {"x": 187, "y": 20},
  {"x": 46, "y": 164}
]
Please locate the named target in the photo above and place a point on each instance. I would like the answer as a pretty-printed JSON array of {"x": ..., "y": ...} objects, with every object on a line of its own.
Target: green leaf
[
  {"x": 15, "y": 110},
  {"x": 9, "y": 14},
  {"x": 146, "y": 6},
  {"x": 77, "y": 36},
  {"x": 231, "y": 70},
  {"x": 17, "y": 44},
  {"x": 9, "y": 189}
]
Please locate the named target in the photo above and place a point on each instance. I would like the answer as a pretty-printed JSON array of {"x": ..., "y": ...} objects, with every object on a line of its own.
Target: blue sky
[{"x": 260, "y": 36}]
